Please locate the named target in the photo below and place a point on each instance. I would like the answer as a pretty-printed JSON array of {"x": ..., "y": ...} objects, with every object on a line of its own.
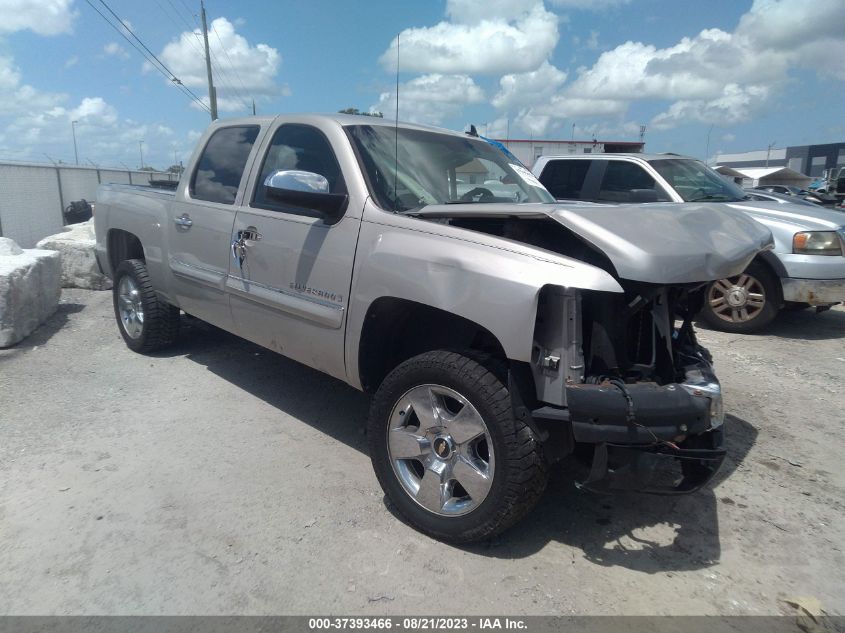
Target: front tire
[
  {"x": 743, "y": 304},
  {"x": 146, "y": 322},
  {"x": 448, "y": 451}
]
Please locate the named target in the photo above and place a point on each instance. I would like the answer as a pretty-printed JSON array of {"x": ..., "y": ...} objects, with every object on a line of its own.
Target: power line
[
  {"x": 231, "y": 63},
  {"x": 197, "y": 47},
  {"x": 224, "y": 76},
  {"x": 157, "y": 64}
]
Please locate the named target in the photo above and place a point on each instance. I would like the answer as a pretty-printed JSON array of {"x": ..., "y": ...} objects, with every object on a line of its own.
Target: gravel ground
[{"x": 220, "y": 478}]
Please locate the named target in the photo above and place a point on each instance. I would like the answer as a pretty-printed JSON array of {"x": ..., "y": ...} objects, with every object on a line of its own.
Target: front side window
[
  {"x": 435, "y": 168},
  {"x": 628, "y": 182},
  {"x": 695, "y": 182},
  {"x": 221, "y": 166},
  {"x": 302, "y": 148}
]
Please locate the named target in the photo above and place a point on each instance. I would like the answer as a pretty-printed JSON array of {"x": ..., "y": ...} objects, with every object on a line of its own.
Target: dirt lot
[{"x": 221, "y": 478}]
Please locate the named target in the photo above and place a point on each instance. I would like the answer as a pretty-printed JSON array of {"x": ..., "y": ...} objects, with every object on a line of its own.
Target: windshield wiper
[{"x": 709, "y": 197}]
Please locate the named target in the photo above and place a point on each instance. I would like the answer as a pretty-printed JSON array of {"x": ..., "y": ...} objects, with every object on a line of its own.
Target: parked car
[
  {"x": 787, "y": 190},
  {"x": 795, "y": 193},
  {"x": 496, "y": 336},
  {"x": 767, "y": 196},
  {"x": 807, "y": 266}
]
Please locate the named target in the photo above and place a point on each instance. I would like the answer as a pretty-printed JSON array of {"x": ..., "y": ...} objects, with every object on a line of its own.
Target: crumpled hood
[{"x": 661, "y": 243}]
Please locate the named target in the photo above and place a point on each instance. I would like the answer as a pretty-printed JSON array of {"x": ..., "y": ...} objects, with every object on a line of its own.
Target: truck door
[
  {"x": 203, "y": 215},
  {"x": 290, "y": 277}
]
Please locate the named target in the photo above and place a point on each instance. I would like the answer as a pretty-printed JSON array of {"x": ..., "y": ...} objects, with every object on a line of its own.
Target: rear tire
[
  {"x": 448, "y": 451},
  {"x": 743, "y": 304},
  {"x": 146, "y": 322}
]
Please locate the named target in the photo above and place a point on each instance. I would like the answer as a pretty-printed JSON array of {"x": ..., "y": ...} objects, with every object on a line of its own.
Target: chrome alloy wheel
[
  {"x": 130, "y": 307},
  {"x": 737, "y": 299},
  {"x": 441, "y": 450}
]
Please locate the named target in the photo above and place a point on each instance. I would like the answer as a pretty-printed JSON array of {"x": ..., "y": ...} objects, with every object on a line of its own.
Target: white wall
[
  {"x": 528, "y": 151},
  {"x": 33, "y": 196}
]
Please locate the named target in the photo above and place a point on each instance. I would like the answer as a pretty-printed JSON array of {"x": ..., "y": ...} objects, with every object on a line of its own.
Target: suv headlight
[{"x": 817, "y": 243}]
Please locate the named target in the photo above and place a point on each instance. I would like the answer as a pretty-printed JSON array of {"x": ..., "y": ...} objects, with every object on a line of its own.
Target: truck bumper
[
  {"x": 660, "y": 439},
  {"x": 656, "y": 469},
  {"x": 816, "y": 292}
]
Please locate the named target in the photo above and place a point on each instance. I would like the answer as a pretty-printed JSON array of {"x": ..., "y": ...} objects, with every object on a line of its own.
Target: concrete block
[
  {"x": 79, "y": 264},
  {"x": 30, "y": 286}
]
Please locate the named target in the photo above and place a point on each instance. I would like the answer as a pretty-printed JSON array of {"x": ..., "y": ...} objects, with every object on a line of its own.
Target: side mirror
[{"x": 306, "y": 190}]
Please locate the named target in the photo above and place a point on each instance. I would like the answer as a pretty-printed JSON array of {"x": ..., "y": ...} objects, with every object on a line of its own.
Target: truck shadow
[
  {"x": 640, "y": 532},
  {"x": 645, "y": 533}
]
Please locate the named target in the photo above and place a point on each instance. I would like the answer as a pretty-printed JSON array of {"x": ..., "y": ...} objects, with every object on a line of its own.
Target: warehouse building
[{"x": 810, "y": 160}]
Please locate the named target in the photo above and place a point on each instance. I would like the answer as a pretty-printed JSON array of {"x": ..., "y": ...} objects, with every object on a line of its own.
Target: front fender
[{"x": 490, "y": 281}]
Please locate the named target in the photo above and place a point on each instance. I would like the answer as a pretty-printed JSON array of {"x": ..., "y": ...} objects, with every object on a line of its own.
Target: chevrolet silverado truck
[
  {"x": 805, "y": 268},
  {"x": 498, "y": 334}
]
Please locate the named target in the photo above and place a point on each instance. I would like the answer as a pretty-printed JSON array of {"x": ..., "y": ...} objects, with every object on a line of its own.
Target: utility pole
[
  {"x": 75, "y": 152},
  {"x": 253, "y": 107},
  {"x": 707, "y": 150},
  {"x": 212, "y": 92},
  {"x": 141, "y": 149},
  {"x": 769, "y": 151}
]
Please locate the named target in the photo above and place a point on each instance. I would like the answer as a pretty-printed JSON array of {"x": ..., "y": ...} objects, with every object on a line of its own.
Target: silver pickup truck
[
  {"x": 498, "y": 333},
  {"x": 805, "y": 268}
]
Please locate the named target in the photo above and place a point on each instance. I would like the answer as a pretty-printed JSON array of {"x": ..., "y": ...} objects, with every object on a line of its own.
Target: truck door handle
[
  {"x": 250, "y": 234},
  {"x": 184, "y": 220}
]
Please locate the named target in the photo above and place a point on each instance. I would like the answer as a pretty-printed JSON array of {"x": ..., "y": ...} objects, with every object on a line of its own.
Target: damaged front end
[
  {"x": 619, "y": 378},
  {"x": 635, "y": 391}
]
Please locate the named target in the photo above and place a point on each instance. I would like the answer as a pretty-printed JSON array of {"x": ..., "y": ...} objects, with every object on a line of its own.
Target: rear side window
[
  {"x": 221, "y": 166},
  {"x": 629, "y": 182},
  {"x": 565, "y": 178}
]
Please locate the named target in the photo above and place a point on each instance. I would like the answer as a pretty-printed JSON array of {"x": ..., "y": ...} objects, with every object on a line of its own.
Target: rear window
[
  {"x": 565, "y": 178},
  {"x": 221, "y": 166}
]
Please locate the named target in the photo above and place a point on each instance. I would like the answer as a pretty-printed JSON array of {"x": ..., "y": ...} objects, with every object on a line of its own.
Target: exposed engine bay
[{"x": 623, "y": 372}]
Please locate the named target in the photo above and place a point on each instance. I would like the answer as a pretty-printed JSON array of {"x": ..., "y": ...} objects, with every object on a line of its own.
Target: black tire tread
[
  {"x": 525, "y": 468},
  {"x": 161, "y": 320}
]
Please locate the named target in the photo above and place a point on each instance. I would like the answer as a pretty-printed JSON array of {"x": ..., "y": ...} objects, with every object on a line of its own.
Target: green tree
[{"x": 374, "y": 113}]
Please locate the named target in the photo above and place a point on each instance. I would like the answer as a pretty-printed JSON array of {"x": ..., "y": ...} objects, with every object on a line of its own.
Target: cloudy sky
[{"x": 743, "y": 73}]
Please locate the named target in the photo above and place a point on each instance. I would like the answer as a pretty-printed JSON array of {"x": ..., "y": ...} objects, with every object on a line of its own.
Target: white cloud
[
  {"x": 728, "y": 138},
  {"x": 723, "y": 77},
  {"x": 113, "y": 49},
  {"x": 537, "y": 86},
  {"x": 735, "y": 104},
  {"x": 588, "y": 5},
  {"x": 430, "y": 98},
  {"x": 519, "y": 41},
  {"x": 72, "y": 61},
  {"x": 40, "y": 123},
  {"x": 243, "y": 70},
  {"x": 45, "y": 17},
  {"x": 17, "y": 97}
]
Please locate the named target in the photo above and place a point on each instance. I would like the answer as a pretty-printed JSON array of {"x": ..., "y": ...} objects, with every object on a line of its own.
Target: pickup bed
[
  {"x": 498, "y": 331},
  {"x": 805, "y": 268}
]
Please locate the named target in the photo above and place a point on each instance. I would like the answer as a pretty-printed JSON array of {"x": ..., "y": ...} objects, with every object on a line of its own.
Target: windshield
[
  {"x": 695, "y": 182},
  {"x": 439, "y": 169}
]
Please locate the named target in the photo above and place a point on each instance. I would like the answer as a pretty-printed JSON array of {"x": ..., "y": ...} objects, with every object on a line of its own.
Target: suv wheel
[
  {"x": 448, "y": 451},
  {"x": 743, "y": 304},
  {"x": 145, "y": 322}
]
